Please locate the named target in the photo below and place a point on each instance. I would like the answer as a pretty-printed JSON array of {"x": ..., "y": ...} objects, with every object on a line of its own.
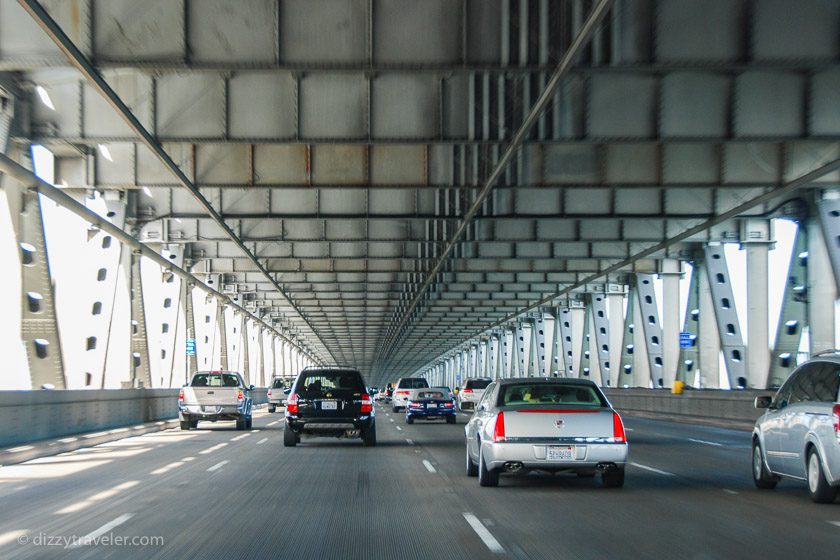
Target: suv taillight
[
  {"x": 240, "y": 395},
  {"x": 836, "y": 412},
  {"x": 292, "y": 404},
  {"x": 466, "y": 390},
  {"x": 181, "y": 395},
  {"x": 269, "y": 393},
  {"x": 499, "y": 430},
  {"x": 618, "y": 429},
  {"x": 366, "y": 406}
]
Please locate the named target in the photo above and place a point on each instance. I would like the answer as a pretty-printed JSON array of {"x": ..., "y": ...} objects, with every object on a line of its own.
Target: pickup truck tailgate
[{"x": 211, "y": 396}]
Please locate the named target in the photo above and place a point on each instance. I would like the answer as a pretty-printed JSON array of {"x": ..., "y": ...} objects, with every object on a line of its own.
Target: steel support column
[
  {"x": 140, "y": 368},
  {"x": 727, "y": 316},
  {"x": 538, "y": 337},
  {"x": 566, "y": 346},
  {"x": 708, "y": 337},
  {"x": 670, "y": 273},
  {"x": 689, "y": 360},
  {"x": 823, "y": 274},
  {"x": 221, "y": 325},
  {"x": 628, "y": 343},
  {"x": 615, "y": 312},
  {"x": 649, "y": 319},
  {"x": 757, "y": 237},
  {"x": 519, "y": 351},
  {"x": 601, "y": 326}
]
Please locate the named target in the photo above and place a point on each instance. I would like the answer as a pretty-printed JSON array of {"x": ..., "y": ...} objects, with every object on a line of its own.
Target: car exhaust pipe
[
  {"x": 513, "y": 466},
  {"x": 605, "y": 467}
]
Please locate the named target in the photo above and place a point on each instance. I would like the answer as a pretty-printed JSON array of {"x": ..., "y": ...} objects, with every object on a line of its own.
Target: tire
[
  {"x": 821, "y": 492},
  {"x": 240, "y": 425},
  {"x": 613, "y": 478},
  {"x": 472, "y": 468},
  {"x": 586, "y": 474},
  {"x": 395, "y": 409},
  {"x": 487, "y": 478},
  {"x": 761, "y": 477},
  {"x": 272, "y": 408},
  {"x": 369, "y": 437},
  {"x": 290, "y": 438},
  {"x": 450, "y": 419},
  {"x": 193, "y": 424},
  {"x": 409, "y": 420},
  {"x": 249, "y": 423},
  {"x": 186, "y": 425}
]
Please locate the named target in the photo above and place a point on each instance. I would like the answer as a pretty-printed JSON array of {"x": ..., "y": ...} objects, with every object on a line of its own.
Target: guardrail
[
  {"x": 28, "y": 416},
  {"x": 712, "y": 407}
]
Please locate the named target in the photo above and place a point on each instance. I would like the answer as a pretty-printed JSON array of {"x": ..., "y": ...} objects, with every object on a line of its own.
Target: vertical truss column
[
  {"x": 727, "y": 316},
  {"x": 140, "y": 368},
  {"x": 245, "y": 346},
  {"x": 566, "y": 344},
  {"x": 642, "y": 376},
  {"x": 709, "y": 338},
  {"x": 481, "y": 349},
  {"x": 649, "y": 319},
  {"x": 585, "y": 357},
  {"x": 492, "y": 348},
  {"x": 757, "y": 238},
  {"x": 689, "y": 360},
  {"x": 824, "y": 266},
  {"x": 628, "y": 345},
  {"x": 221, "y": 324},
  {"x": 538, "y": 347},
  {"x": 187, "y": 298},
  {"x": 284, "y": 367},
  {"x": 505, "y": 365},
  {"x": 794, "y": 313},
  {"x": 601, "y": 324},
  {"x": 260, "y": 381},
  {"x": 670, "y": 272},
  {"x": 519, "y": 350},
  {"x": 615, "y": 294}
]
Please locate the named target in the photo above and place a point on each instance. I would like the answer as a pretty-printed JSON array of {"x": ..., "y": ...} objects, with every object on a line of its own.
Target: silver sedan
[{"x": 550, "y": 424}]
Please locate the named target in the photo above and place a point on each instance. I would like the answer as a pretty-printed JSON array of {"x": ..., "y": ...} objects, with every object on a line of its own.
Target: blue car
[{"x": 430, "y": 403}]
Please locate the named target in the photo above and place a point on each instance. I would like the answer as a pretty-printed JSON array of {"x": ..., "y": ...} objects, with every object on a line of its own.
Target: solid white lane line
[
  {"x": 400, "y": 429},
  {"x": 730, "y": 492},
  {"x": 837, "y": 523},
  {"x": 101, "y": 531},
  {"x": 653, "y": 470},
  {"x": 243, "y": 436},
  {"x": 482, "y": 532},
  {"x": 409, "y": 441},
  {"x": 263, "y": 440},
  {"x": 275, "y": 422},
  {"x": 217, "y": 466},
  {"x": 704, "y": 442},
  {"x": 212, "y": 449},
  {"x": 429, "y": 466}
]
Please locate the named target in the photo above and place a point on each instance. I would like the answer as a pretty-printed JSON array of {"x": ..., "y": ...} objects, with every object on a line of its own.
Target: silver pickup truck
[{"x": 213, "y": 396}]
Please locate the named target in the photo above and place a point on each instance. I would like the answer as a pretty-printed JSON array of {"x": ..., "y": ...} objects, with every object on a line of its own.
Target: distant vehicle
[
  {"x": 277, "y": 393},
  {"x": 403, "y": 390},
  {"x": 326, "y": 402},
  {"x": 446, "y": 390},
  {"x": 430, "y": 404},
  {"x": 214, "y": 396},
  {"x": 545, "y": 424},
  {"x": 798, "y": 437},
  {"x": 472, "y": 392}
]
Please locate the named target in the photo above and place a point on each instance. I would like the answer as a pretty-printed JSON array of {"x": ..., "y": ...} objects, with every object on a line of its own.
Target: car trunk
[
  {"x": 557, "y": 422},
  {"x": 334, "y": 403}
]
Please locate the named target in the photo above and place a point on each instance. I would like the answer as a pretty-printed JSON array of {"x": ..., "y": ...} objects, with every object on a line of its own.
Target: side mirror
[
  {"x": 763, "y": 401},
  {"x": 251, "y": 387}
]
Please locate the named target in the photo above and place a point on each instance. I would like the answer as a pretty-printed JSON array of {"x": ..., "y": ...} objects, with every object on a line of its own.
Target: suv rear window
[
  {"x": 215, "y": 380},
  {"x": 315, "y": 384},
  {"x": 477, "y": 384},
  {"x": 413, "y": 383},
  {"x": 277, "y": 384},
  {"x": 549, "y": 393}
]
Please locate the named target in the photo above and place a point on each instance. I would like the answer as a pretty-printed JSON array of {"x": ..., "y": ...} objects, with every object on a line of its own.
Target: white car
[
  {"x": 472, "y": 392},
  {"x": 403, "y": 390},
  {"x": 545, "y": 424}
]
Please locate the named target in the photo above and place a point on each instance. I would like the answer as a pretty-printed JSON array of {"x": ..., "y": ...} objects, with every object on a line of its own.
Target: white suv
[
  {"x": 403, "y": 389},
  {"x": 472, "y": 392},
  {"x": 799, "y": 435}
]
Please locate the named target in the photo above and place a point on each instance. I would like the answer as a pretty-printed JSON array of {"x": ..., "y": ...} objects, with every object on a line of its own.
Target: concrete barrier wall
[
  {"x": 27, "y": 416},
  {"x": 720, "y": 408}
]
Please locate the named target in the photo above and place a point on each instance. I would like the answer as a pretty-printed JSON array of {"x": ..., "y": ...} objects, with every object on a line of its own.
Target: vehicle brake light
[
  {"x": 366, "y": 405},
  {"x": 499, "y": 430},
  {"x": 836, "y": 412},
  {"x": 466, "y": 390},
  {"x": 292, "y": 404},
  {"x": 240, "y": 395},
  {"x": 618, "y": 429},
  {"x": 269, "y": 393},
  {"x": 402, "y": 392},
  {"x": 181, "y": 395}
]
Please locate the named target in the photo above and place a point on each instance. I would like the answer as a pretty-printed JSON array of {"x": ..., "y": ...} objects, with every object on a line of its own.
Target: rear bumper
[
  {"x": 327, "y": 426},
  {"x": 277, "y": 401},
  {"x": 533, "y": 456},
  {"x": 198, "y": 412},
  {"x": 439, "y": 413}
]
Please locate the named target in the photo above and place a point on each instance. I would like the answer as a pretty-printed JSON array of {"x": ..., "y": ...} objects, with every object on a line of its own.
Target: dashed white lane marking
[
  {"x": 836, "y": 523},
  {"x": 400, "y": 429},
  {"x": 212, "y": 449},
  {"x": 101, "y": 531},
  {"x": 237, "y": 438},
  {"x": 275, "y": 422},
  {"x": 409, "y": 441},
  {"x": 217, "y": 466},
  {"x": 704, "y": 442},
  {"x": 653, "y": 470},
  {"x": 730, "y": 492},
  {"x": 429, "y": 466},
  {"x": 263, "y": 440},
  {"x": 482, "y": 532},
  {"x": 391, "y": 419}
]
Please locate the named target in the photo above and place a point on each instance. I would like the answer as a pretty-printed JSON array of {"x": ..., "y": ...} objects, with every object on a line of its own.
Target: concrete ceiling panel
[
  {"x": 334, "y": 164},
  {"x": 222, "y": 164},
  {"x": 405, "y": 106},
  {"x": 622, "y": 106},
  {"x": 769, "y": 104},
  {"x": 262, "y": 105},
  {"x": 295, "y": 201},
  {"x": 281, "y": 163},
  {"x": 700, "y": 30},
  {"x": 190, "y": 105},
  {"x": 812, "y": 30},
  {"x": 313, "y": 31},
  {"x": 695, "y": 105},
  {"x": 233, "y": 30},
  {"x": 152, "y": 30},
  {"x": 333, "y": 106},
  {"x": 410, "y": 31},
  {"x": 398, "y": 164},
  {"x": 632, "y": 163}
]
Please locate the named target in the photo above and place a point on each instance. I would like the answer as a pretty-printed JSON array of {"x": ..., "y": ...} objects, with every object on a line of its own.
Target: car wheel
[
  {"x": 821, "y": 492},
  {"x": 240, "y": 425},
  {"x": 290, "y": 438},
  {"x": 369, "y": 437},
  {"x": 193, "y": 424},
  {"x": 613, "y": 478},
  {"x": 586, "y": 474},
  {"x": 761, "y": 477},
  {"x": 249, "y": 423},
  {"x": 395, "y": 409},
  {"x": 486, "y": 477},
  {"x": 450, "y": 419},
  {"x": 472, "y": 468},
  {"x": 272, "y": 408},
  {"x": 186, "y": 425},
  {"x": 409, "y": 420}
]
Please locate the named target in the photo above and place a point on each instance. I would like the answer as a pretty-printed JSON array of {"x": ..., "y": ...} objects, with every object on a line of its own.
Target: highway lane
[{"x": 219, "y": 493}]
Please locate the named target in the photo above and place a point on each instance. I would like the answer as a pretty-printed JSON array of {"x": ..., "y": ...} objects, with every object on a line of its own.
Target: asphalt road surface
[{"x": 215, "y": 493}]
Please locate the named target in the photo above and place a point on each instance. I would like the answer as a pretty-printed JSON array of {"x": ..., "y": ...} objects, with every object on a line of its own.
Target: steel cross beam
[
  {"x": 599, "y": 11},
  {"x": 29, "y": 179},
  {"x": 81, "y": 62}
]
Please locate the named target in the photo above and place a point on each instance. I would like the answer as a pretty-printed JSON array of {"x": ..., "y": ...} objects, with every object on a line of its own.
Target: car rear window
[
  {"x": 215, "y": 380},
  {"x": 477, "y": 384},
  {"x": 430, "y": 395},
  {"x": 413, "y": 383},
  {"x": 313, "y": 385},
  {"x": 277, "y": 384},
  {"x": 547, "y": 393}
]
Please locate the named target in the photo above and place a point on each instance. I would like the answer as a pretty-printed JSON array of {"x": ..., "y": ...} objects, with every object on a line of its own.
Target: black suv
[{"x": 326, "y": 402}]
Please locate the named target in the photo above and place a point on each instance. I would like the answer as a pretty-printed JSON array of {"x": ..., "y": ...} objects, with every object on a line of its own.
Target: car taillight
[
  {"x": 402, "y": 392},
  {"x": 181, "y": 395},
  {"x": 269, "y": 393},
  {"x": 499, "y": 430},
  {"x": 466, "y": 391},
  {"x": 415, "y": 405},
  {"x": 292, "y": 404},
  {"x": 618, "y": 429},
  {"x": 240, "y": 395},
  {"x": 836, "y": 412},
  {"x": 366, "y": 405}
]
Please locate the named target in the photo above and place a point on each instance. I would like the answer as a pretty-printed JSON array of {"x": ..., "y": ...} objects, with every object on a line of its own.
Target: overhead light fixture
[
  {"x": 106, "y": 153},
  {"x": 44, "y": 95},
  {"x": 147, "y": 191}
]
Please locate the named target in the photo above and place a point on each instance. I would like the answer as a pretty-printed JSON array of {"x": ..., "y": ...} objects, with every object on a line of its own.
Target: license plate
[
  {"x": 431, "y": 405},
  {"x": 207, "y": 408},
  {"x": 329, "y": 405},
  {"x": 559, "y": 453}
]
